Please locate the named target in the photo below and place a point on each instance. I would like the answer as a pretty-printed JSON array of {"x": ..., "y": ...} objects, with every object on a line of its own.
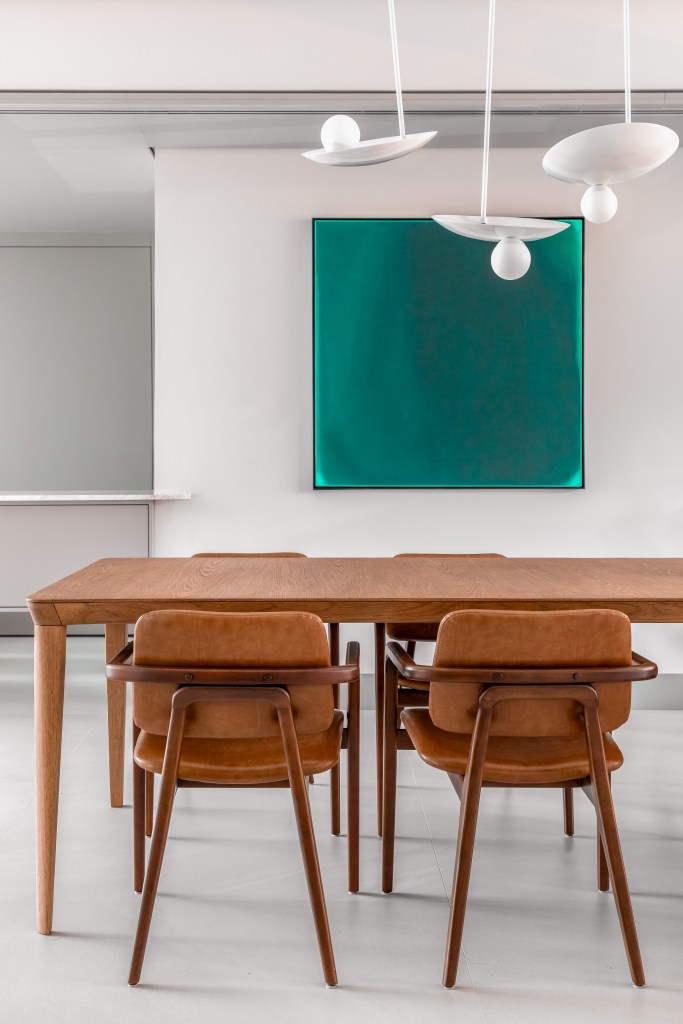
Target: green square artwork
[{"x": 430, "y": 371}]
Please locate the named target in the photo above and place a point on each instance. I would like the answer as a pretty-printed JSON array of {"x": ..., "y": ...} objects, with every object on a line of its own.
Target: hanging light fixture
[
  {"x": 510, "y": 258},
  {"x": 611, "y": 153},
  {"x": 340, "y": 134}
]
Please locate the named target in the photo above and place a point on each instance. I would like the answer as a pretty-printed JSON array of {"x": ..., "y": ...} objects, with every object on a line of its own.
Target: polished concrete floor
[{"x": 232, "y": 938}]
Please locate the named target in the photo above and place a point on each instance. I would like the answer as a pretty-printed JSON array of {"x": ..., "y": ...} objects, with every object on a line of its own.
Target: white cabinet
[{"x": 75, "y": 367}]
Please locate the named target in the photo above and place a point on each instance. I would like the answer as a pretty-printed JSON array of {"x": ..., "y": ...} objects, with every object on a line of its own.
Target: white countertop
[{"x": 62, "y": 497}]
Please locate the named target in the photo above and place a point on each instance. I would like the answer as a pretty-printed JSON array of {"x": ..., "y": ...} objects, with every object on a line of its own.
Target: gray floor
[{"x": 232, "y": 936}]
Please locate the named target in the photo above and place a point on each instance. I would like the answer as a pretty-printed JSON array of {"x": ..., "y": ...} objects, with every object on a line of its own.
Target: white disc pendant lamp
[
  {"x": 510, "y": 258},
  {"x": 340, "y": 135},
  {"x": 604, "y": 156}
]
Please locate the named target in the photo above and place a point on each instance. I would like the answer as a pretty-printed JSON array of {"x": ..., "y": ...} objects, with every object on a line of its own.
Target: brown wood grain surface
[{"x": 362, "y": 589}]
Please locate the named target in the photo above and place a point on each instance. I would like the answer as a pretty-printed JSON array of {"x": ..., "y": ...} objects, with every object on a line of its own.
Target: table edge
[{"x": 97, "y": 612}]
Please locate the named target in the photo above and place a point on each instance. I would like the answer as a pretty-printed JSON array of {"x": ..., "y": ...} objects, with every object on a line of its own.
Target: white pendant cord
[
  {"x": 341, "y": 136},
  {"x": 627, "y": 60},
  {"x": 487, "y": 111},
  {"x": 608, "y": 154},
  {"x": 510, "y": 258},
  {"x": 397, "y": 70}
]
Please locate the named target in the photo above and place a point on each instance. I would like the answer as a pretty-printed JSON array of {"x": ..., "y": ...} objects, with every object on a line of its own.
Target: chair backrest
[
  {"x": 180, "y": 639},
  {"x": 424, "y": 630},
  {"x": 509, "y": 639},
  {"x": 249, "y": 554}
]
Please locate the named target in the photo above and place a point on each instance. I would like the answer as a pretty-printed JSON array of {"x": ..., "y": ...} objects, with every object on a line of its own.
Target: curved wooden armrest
[
  {"x": 640, "y": 668},
  {"x": 123, "y": 657},
  {"x": 121, "y": 668},
  {"x": 645, "y": 663},
  {"x": 401, "y": 659}
]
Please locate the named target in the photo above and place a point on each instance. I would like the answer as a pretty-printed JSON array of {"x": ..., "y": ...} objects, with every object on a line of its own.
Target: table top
[{"x": 362, "y": 589}]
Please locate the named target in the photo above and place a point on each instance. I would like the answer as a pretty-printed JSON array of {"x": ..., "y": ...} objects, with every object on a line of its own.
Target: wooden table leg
[
  {"x": 380, "y": 655},
  {"x": 115, "y": 638},
  {"x": 50, "y": 659}
]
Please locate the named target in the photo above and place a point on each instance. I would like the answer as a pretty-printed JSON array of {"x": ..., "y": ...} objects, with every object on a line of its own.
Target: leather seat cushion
[
  {"x": 242, "y": 761},
  {"x": 509, "y": 759}
]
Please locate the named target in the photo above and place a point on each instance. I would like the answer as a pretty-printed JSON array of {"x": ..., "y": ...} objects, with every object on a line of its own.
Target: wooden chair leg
[
  {"x": 411, "y": 647},
  {"x": 380, "y": 644},
  {"x": 353, "y": 785},
  {"x": 138, "y": 821},
  {"x": 469, "y": 809},
  {"x": 603, "y": 870},
  {"x": 609, "y": 833},
  {"x": 169, "y": 779},
  {"x": 457, "y": 783},
  {"x": 335, "y": 773},
  {"x": 568, "y": 794},
  {"x": 389, "y": 787},
  {"x": 335, "y": 799},
  {"x": 149, "y": 803},
  {"x": 115, "y": 637},
  {"x": 309, "y": 852}
]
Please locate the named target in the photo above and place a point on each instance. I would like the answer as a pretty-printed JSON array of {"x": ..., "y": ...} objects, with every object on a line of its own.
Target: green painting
[{"x": 430, "y": 371}]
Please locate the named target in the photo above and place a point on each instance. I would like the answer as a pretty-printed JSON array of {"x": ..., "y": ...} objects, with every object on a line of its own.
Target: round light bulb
[
  {"x": 599, "y": 204},
  {"x": 511, "y": 259},
  {"x": 339, "y": 132}
]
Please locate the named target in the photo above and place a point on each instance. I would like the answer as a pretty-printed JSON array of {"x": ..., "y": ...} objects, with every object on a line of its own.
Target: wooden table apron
[{"x": 119, "y": 590}]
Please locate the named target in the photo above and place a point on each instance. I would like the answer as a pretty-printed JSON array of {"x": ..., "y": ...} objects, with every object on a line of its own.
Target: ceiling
[{"x": 84, "y": 162}]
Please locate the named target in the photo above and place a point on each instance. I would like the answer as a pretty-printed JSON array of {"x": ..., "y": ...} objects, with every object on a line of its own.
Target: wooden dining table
[{"x": 116, "y": 591}]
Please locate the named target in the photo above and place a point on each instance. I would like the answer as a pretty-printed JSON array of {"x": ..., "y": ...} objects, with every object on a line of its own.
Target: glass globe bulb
[
  {"x": 511, "y": 259},
  {"x": 339, "y": 132},
  {"x": 599, "y": 204}
]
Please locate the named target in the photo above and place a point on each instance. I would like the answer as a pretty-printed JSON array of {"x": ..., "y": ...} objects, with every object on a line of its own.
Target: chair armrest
[
  {"x": 639, "y": 669},
  {"x": 648, "y": 668},
  {"x": 122, "y": 669},
  {"x": 123, "y": 657},
  {"x": 407, "y": 668}
]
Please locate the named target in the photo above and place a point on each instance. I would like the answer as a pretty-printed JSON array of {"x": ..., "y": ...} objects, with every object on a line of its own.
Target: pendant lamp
[
  {"x": 611, "y": 153},
  {"x": 340, "y": 134},
  {"x": 510, "y": 258}
]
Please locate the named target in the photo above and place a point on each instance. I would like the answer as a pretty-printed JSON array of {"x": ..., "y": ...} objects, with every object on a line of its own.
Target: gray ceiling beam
[{"x": 525, "y": 103}]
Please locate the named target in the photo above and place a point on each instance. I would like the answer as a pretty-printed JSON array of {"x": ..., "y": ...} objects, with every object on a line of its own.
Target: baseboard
[{"x": 18, "y": 622}]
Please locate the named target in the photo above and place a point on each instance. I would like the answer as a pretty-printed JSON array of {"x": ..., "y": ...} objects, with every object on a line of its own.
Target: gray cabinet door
[{"x": 75, "y": 368}]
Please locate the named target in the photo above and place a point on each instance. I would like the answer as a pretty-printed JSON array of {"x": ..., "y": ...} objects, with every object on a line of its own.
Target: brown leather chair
[
  {"x": 116, "y": 716},
  {"x": 520, "y": 699},
  {"x": 409, "y": 633},
  {"x": 333, "y": 631},
  {"x": 237, "y": 699}
]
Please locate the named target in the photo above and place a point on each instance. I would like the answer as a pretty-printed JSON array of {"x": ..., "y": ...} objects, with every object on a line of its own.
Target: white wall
[
  {"x": 332, "y": 44},
  {"x": 233, "y": 366}
]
